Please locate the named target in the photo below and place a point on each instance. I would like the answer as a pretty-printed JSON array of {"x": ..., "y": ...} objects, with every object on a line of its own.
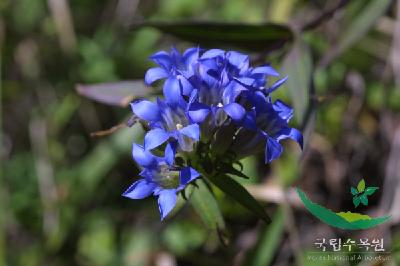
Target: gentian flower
[
  {"x": 174, "y": 68},
  {"x": 160, "y": 178},
  {"x": 264, "y": 127},
  {"x": 166, "y": 121},
  {"x": 215, "y": 104}
]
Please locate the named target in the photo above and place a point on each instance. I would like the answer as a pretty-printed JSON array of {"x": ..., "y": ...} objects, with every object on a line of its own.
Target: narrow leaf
[
  {"x": 240, "y": 194},
  {"x": 298, "y": 66},
  {"x": 370, "y": 190},
  {"x": 117, "y": 94},
  {"x": 232, "y": 171},
  {"x": 354, "y": 191},
  {"x": 268, "y": 243},
  {"x": 255, "y": 37},
  {"x": 360, "y": 26},
  {"x": 206, "y": 206},
  {"x": 361, "y": 186}
]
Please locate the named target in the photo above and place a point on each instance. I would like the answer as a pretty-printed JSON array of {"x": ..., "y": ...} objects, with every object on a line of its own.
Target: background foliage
[{"x": 60, "y": 189}]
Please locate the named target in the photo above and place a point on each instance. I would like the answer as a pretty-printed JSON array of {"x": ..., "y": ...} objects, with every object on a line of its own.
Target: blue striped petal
[
  {"x": 166, "y": 201},
  {"x": 140, "y": 189},
  {"x": 154, "y": 74},
  {"x": 146, "y": 110},
  {"x": 155, "y": 138}
]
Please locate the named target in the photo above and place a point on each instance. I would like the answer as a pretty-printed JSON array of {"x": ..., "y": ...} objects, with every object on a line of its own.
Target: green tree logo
[
  {"x": 346, "y": 220},
  {"x": 361, "y": 193}
]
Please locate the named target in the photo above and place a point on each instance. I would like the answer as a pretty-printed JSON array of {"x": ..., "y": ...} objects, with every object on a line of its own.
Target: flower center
[
  {"x": 168, "y": 178},
  {"x": 220, "y": 105},
  {"x": 179, "y": 126}
]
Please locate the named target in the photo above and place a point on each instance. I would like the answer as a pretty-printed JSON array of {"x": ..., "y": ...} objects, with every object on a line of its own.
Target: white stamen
[
  {"x": 179, "y": 126},
  {"x": 220, "y": 105}
]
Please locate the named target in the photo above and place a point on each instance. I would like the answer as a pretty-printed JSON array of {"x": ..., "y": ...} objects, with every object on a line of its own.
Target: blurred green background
[{"x": 60, "y": 189}]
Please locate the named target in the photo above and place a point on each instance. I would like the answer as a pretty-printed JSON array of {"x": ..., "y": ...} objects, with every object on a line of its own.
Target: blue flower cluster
[{"x": 215, "y": 104}]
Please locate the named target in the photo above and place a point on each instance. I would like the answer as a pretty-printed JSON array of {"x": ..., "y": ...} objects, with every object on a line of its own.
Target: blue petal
[
  {"x": 166, "y": 201},
  {"x": 154, "y": 74},
  {"x": 163, "y": 59},
  {"x": 140, "y": 189},
  {"x": 170, "y": 153},
  {"x": 246, "y": 81},
  {"x": 237, "y": 59},
  {"x": 146, "y": 110},
  {"x": 276, "y": 85},
  {"x": 190, "y": 56},
  {"x": 266, "y": 70},
  {"x": 232, "y": 91},
  {"x": 192, "y": 131},
  {"x": 212, "y": 53},
  {"x": 235, "y": 111},
  {"x": 187, "y": 175},
  {"x": 187, "y": 87},
  {"x": 155, "y": 138},
  {"x": 249, "y": 120},
  {"x": 172, "y": 91},
  {"x": 272, "y": 150},
  {"x": 198, "y": 112},
  {"x": 143, "y": 157},
  {"x": 258, "y": 100},
  {"x": 284, "y": 110},
  {"x": 293, "y": 134},
  {"x": 193, "y": 96}
]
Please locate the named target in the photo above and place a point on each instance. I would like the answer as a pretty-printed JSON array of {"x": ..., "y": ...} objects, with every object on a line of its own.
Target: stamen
[
  {"x": 179, "y": 126},
  {"x": 220, "y": 105}
]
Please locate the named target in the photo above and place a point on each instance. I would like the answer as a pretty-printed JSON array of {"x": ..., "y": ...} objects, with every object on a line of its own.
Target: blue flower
[
  {"x": 174, "y": 68},
  {"x": 160, "y": 178},
  {"x": 218, "y": 82},
  {"x": 215, "y": 103},
  {"x": 167, "y": 121},
  {"x": 264, "y": 126}
]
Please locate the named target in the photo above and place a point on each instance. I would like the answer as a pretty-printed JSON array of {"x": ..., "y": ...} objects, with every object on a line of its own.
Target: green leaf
[
  {"x": 204, "y": 203},
  {"x": 233, "y": 171},
  {"x": 370, "y": 190},
  {"x": 364, "y": 200},
  {"x": 356, "y": 201},
  {"x": 268, "y": 243},
  {"x": 360, "y": 26},
  {"x": 354, "y": 191},
  {"x": 240, "y": 194},
  {"x": 298, "y": 66},
  {"x": 255, "y": 37},
  {"x": 361, "y": 186}
]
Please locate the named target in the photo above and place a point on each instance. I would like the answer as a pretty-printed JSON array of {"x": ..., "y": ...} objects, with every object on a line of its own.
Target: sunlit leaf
[
  {"x": 361, "y": 186},
  {"x": 206, "y": 206},
  {"x": 115, "y": 93},
  {"x": 256, "y": 37},
  {"x": 240, "y": 194}
]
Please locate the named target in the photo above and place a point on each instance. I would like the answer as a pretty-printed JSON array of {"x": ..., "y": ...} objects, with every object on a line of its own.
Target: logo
[{"x": 346, "y": 220}]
